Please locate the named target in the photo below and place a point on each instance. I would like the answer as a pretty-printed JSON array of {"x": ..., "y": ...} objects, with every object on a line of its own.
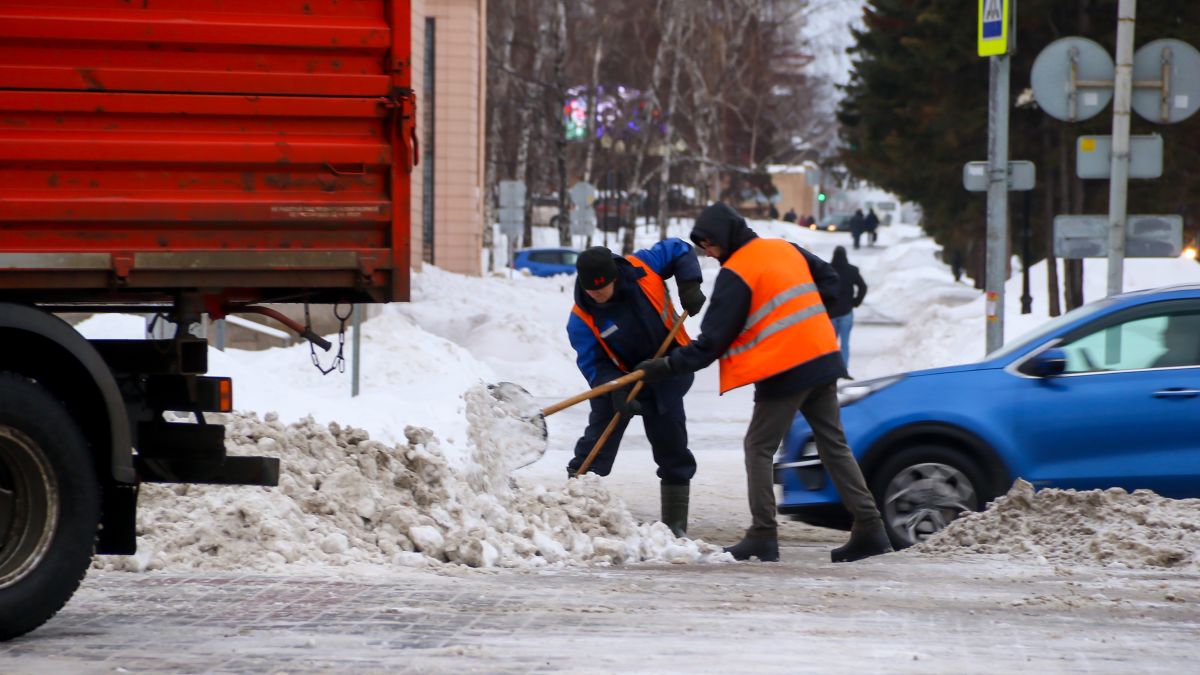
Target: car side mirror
[{"x": 1049, "y": 363}]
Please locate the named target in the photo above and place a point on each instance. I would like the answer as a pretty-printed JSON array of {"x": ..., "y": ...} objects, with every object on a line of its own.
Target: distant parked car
[
  {"x": 1107, "y": 395},
  {"x": 546, "y": 262},
  {"x": 834, "y": 222}
]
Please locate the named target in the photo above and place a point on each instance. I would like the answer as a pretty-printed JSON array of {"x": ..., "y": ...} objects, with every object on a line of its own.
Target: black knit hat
[{"x": 596, "y": 268}]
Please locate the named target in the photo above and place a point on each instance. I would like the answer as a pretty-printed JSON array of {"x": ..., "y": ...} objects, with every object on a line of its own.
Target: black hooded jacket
[{"x": 730, "y": 305}]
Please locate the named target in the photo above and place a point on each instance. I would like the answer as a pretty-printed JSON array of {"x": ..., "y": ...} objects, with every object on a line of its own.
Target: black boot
[
  {"x": 766, "y": 549},
  {"x": 865, "y": 541},
  {"x": 675, "y": 507}
]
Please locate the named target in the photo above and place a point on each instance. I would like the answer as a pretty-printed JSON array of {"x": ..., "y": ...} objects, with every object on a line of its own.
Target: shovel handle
[
  {"x": 593, "y": 393},
  {"x": 637, "y": 389}
]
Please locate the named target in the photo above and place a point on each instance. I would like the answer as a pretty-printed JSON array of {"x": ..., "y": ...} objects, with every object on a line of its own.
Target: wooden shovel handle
[
  {"x": 593, "y": 393},
  {"x": 637, "y": 389}
]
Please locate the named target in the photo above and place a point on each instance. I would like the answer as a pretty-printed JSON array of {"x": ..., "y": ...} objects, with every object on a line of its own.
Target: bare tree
[
  {"x": 560, "y": 89},
  {"x": 690, "y": 92},
  {"x": 531, "y": 95},
  {"x": 500, "y": 42}
]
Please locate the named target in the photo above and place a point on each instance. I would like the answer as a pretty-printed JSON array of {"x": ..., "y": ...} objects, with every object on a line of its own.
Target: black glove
[
  {"x": 691, "y": 297},
  {"x": 657, "y": 370},
  {"x": 626, "y": 409}
]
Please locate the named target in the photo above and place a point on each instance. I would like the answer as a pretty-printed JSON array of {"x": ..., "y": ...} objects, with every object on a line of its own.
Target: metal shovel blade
[{"x": 515, "y": 402}]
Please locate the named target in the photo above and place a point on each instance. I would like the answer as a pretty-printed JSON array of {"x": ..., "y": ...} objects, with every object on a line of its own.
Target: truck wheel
[{"x": 49, "y": 506}]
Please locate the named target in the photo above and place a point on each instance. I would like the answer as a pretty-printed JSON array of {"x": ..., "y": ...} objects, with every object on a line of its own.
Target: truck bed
[{"x": 257, "y": 151}]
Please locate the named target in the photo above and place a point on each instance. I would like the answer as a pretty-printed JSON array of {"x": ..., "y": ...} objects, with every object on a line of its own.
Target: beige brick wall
[
  {"x": 418, "y": 78},
  {"x": 459, "y": 127},
  {"x": 795, "y": 193}
]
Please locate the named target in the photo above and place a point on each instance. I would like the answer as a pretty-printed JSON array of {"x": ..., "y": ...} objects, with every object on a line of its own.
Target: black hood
[{"x": 724, "y": 227}]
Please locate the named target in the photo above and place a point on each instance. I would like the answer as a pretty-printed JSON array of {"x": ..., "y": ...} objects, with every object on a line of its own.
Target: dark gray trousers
[{"x": 768, "y": 424}]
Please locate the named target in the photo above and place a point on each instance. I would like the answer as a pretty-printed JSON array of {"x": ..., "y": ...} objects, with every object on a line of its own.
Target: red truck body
[
  {"x": 243, "y": 151},
  {"x": 176, "y": 158}
]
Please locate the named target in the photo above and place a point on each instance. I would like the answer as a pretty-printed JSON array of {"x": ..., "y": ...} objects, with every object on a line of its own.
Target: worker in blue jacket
[{"x": 622, "y": 314}]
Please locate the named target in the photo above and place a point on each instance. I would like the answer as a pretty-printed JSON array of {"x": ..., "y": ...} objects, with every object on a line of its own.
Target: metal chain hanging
[{"x": 339, "y": 361}]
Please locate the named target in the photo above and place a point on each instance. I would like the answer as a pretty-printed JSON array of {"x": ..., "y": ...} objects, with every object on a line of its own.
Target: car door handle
[{"x": 1177, "y": 393}]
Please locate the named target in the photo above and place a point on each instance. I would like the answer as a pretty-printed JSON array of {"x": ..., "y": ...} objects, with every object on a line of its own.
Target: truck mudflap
[
  {"x": 171, "y": 452},
  {"x": 238, "y": 470}
]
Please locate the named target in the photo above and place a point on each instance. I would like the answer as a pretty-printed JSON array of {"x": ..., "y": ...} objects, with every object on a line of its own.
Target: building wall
[
  {"x": 459, "y": 112},
  {"x": 418, "y": 78},
  {"x": 795, "y": 192}
]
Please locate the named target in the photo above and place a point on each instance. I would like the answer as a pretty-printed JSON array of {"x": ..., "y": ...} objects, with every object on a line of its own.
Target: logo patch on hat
[{"x": 599, "y": 281}]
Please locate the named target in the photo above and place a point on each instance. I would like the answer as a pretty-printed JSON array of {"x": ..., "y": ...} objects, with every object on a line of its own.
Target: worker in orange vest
[
  {"x": 623, "y": 312},
  {"x": 768, "y": 327}
]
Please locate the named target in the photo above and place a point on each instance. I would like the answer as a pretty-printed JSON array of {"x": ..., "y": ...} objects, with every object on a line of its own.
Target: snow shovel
[
  {"x": 515, "y": 398},
  {"x": 637, "y": 388},
  {"x": 513, "y": 401}
]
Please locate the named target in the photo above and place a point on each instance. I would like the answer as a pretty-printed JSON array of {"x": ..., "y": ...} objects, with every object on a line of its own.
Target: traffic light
[{"x": 820, "y": 196}]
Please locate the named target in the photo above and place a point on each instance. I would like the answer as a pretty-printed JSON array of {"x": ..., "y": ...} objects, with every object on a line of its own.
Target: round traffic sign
[
  {"x": 1180, "y": 62},
  {"x": 1052, "y": 82}
]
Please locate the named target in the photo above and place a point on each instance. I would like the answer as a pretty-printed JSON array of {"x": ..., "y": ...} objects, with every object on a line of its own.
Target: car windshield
[
  {"x": 569, "y": 257},
  {"x": 1039, "y": 334}
]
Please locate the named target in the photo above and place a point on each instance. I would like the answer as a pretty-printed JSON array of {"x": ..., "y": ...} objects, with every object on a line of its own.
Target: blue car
[
  {"x": 546, "y": 262},
  {"x": 1107, "y": 395}
]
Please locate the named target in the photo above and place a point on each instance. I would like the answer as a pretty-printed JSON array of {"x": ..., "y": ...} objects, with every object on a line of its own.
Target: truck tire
[{"x": 49, "y": 506}]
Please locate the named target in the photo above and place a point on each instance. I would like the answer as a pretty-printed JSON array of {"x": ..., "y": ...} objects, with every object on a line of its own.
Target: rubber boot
[
  {"x": 865, "y": 541},
  {"x": 675, "y": 507},
  {"x": 766, "y": 549}
]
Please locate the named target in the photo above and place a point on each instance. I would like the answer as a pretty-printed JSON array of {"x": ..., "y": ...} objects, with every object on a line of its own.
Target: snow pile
[
  {"x": 345, "y": 499},
  {"x": 1109, "y": 527}
]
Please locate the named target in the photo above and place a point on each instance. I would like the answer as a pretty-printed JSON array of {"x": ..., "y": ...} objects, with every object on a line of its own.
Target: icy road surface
[{"x": 899, "y": 613}]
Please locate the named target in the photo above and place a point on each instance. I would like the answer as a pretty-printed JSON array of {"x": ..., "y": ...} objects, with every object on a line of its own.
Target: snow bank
[
  {"x": 344, "y": 499},
  {"x": 1136, "y": 530}
]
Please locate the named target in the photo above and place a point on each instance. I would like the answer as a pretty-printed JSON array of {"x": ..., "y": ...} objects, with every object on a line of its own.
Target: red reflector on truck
[{"x": 225, "y": 386}]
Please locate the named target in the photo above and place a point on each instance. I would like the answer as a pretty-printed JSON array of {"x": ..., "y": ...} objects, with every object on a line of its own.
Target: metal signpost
[
  {"x": 1093, "y": 157},
  {"x": 512, "y": 214},
  {"x": 1118, "y": 182},
  {"x": 1073, "y": 80},
  {"x": 1149, "y": 236},
  {"x": 1166, "y": 81},
  {"x": 995, "y": 40},
  {"x": 583, "y": 216},
  {"x": 1022, "y": 175},
  {"x": 355, "y": 348}
]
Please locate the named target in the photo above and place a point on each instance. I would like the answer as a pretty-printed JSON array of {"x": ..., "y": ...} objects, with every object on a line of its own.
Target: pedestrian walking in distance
[
  {"x": 870, "y": 225},
  {"x": 858, "y": 225},
  {"x": 850, "y": 294},
  {"x": 768, "y": 326}
]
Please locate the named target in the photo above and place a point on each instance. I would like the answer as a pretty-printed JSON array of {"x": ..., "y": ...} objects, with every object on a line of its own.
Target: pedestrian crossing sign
[{"x": 993, "y": 27}]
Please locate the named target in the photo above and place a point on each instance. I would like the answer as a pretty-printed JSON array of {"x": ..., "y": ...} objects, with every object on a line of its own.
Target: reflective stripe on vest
[
  {"x": 656, "y": 292},
  {"x": 787, "y": 324}
]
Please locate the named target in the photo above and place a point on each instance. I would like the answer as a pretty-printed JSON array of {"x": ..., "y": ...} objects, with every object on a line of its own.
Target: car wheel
[
  {"x": 49, "y": 506},
  {"x": 921, "y": 489}
]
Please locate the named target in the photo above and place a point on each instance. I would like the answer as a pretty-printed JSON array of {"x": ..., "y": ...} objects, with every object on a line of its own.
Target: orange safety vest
[
  {"x": 786, "y": 325},
  {"x": 656, "y": 292}
]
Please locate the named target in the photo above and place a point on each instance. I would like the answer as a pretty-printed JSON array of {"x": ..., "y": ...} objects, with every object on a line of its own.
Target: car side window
[
  {"x": 569, "y": 258},
  {"x": 1159, "y": 341},
  {"x": 549, "y": 257}
]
